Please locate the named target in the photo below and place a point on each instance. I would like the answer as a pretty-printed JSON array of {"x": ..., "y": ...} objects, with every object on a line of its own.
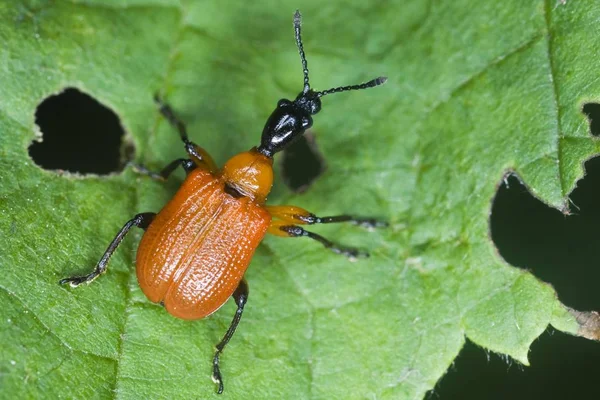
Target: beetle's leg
[
  {"x": 288, "y": 216},
  {"x": 241, "y": 297},
  {"x": 297, "y": 215},
  {"x": 199, "y": 157},
  {"x": 140, "y": 220},
  {"x": 163, "y": 175},
  {"x": 285, "y": 229},
  {"x": 197, "y": 153}
]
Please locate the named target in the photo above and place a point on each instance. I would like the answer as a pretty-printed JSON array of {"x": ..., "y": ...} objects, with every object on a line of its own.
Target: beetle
[{"x": 194, "y": 253}]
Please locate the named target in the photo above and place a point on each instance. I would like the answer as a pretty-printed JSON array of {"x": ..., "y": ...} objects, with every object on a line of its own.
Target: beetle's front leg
[
  {"x": 241, "y": 297},
  {"x": 286, "y": 218},
  {"x": 140, "y": 220},
  {"x": 298, "y": 215}
]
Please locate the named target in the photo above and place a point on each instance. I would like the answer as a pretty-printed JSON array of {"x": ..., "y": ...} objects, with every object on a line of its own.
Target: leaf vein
[{"x": 559, "y": 134}]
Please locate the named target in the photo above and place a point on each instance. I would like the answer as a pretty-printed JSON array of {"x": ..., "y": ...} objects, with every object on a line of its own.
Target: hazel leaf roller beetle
[{"x": 195, "y": 251}]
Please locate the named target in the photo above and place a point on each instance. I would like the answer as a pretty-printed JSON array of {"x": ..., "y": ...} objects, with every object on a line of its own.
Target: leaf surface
[{"x": 476, "y": 90}]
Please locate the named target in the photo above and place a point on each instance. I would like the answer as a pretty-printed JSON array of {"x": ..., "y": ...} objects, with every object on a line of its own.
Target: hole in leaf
[
  {"x": 562, "y": 250},
  {"x": 79, "y": 135},
  {"x": 592, "y": 111},
  {"x": 302, "y": 163}
]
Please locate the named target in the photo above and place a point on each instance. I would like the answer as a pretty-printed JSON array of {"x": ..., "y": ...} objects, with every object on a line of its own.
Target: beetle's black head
[{"x": 291, "y": 119}]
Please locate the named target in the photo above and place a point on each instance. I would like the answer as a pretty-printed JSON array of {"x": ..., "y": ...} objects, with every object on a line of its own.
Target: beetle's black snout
[
  {"x": 286, "y": 123},
  {"x": 291, "y": 118}
]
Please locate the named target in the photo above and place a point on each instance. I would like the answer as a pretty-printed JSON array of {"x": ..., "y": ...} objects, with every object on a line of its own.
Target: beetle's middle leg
[
  {"x": 288, "y": 218},
  {"x": 140, "y": 220},
  {"x": 163, "y": 174},
  {"x": 241, "y": 297}
]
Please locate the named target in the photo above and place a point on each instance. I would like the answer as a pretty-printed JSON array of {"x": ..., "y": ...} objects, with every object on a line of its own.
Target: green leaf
[{"x": 476, "y": 90}]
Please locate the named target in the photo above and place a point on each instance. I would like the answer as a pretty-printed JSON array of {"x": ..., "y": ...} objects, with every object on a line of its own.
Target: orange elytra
[{"x": 194, "y": 253}]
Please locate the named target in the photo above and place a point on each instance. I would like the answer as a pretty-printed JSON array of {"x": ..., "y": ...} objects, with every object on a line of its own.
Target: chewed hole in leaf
[
  {"x": 78, "y": 135},
  {"x": 302, "y": 163},
  {"x": 592, "y": 112},
  {"x": 558, "y": 249}
]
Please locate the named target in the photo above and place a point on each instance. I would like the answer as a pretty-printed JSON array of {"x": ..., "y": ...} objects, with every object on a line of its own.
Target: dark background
[{"x": 558, "y": 249}]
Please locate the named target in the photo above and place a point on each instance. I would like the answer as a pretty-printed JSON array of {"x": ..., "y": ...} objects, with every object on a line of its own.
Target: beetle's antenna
[
  {"x": 297, "y": 27},
  {"x": 372, "y": 83}
]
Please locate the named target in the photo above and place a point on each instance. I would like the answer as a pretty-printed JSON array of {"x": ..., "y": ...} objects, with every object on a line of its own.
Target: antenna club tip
[
  {"x": 297, "y": 18},
  {"x": 381, "y": 80}
]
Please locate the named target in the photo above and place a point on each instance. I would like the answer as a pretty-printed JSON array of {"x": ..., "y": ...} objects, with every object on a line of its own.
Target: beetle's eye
[
  {"x": 306, "y": 122},
  {"x": 315, "y": 106}
]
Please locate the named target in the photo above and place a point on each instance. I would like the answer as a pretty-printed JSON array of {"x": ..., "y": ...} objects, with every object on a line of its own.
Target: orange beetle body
[{"x": 196, "y": 250}]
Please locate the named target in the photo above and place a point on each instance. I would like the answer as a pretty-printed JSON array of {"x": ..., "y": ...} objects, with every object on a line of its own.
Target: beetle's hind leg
[
  {"x": 200, "y": 156},
  {"x": 141, "y": 221},
  {"x": 241, "y": 297},
  {"x": 287, "y": 218}
]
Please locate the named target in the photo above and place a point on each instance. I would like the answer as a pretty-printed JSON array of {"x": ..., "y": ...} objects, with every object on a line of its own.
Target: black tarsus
[
  {"x": 351, "y": 252},
  {"x": 241, "y": 297},
  {"x": 142, "y": 221},
  {"x": 169, "y": 114},
  {"x": 362, "y": 222}
]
